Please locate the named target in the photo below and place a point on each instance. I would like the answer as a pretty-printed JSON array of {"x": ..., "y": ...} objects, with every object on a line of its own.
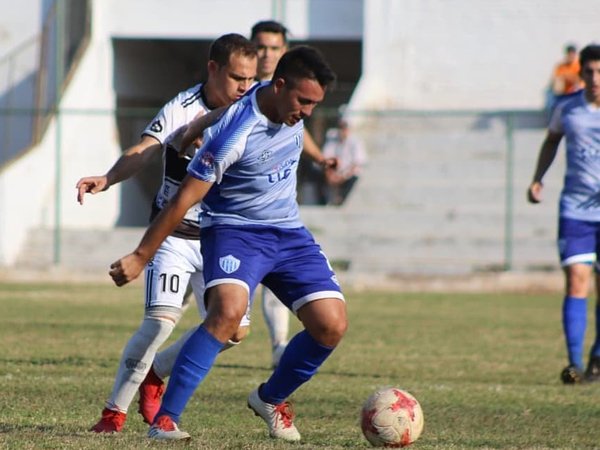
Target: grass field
[{"x": 484, "y": 367}]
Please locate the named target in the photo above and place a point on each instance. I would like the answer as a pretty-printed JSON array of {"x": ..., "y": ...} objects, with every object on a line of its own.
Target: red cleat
[
  {"x": 151, "y": 391},
  {"x": 111, "y": 422}
]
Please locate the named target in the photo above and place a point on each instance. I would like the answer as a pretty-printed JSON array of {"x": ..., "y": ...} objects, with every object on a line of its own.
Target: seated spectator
[{"x": 344, "y": 146}]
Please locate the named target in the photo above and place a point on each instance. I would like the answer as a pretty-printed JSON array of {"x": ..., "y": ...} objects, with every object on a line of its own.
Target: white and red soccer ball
[{"x": 391, "y": 418}]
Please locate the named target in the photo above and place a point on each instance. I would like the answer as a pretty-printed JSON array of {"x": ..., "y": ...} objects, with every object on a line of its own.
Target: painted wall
[
  {"x": 314, "y": 19},
  {"x": 28, "y": 191},
  {"x": 465, "y": 54},
  {"x": 89, "y": 143}
]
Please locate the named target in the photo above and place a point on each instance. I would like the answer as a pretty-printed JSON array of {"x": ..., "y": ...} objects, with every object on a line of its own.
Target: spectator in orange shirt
[{"x": 565, "y": 79}]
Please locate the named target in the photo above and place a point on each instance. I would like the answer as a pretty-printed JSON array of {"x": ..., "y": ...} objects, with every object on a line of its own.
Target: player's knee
[
  {"x": 158, "y": 324},
  {"x": 228, "y": 316},
  {"x": 337, "y": 330},
  {"x": 223, "y": 322},
  {"x": 240, "y": 334},
  {"x": 329, "y": 332}
]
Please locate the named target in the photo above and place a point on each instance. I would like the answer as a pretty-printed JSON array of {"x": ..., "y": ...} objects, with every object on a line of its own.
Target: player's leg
[
  {"x": 277, "y": 318},
  {"x": 227, "y": 305},
  {"x": 315, "y": 295},
  {"x": 187, "y": 299},
  {"x": 165, "y": 279},
  {"x": 152, "y": 388},
  {"x": 233, "y": 268},
  {"x": 577, "y": 252},
  {"x": 165, "y": 359},
  {"x": 592, "y": 372}
]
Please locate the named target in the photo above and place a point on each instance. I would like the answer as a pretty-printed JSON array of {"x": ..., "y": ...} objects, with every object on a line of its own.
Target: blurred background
[{"x": 448, "y": 100}]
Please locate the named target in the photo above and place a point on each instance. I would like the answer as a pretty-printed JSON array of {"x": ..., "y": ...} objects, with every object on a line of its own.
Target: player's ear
[
  {"x": 212, "y": 66},
  {"x": 278, "y": 84}
]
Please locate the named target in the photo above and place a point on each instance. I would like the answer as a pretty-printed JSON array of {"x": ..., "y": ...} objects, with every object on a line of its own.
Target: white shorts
[{"x": 176, "y": 263}]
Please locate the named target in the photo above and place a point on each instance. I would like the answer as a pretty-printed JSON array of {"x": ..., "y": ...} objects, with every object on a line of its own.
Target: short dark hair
[
  {"x": 228, "y": 44},
  {"x": 269, "y": 26},
  {"x": 570, "y": 48},
  {"x": 589, "y": 53},
  {"x": 304, "y": 62}
]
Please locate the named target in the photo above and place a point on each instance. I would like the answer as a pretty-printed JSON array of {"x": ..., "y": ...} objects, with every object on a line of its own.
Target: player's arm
[
  {"x": 545, "y": 159},
  {"x": 126, "y": 166},
  {"x": 190, "y": 192},
  {"x": 311, "y": 149},
  {"x": 195, "y": 129}
]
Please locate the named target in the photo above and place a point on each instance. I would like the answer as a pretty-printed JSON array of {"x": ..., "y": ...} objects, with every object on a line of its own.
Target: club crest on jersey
[
  {"x": 208, "y": 159},
  {"x": 229, "y": 263},
  {"x": 265, "y": 156},
  {"x": 156, "y": 126},
  {"x": 298, "y": 139}
]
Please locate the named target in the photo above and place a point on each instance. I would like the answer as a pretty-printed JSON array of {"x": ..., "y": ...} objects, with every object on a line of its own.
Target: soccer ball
[{"x": 391, "y": 418}]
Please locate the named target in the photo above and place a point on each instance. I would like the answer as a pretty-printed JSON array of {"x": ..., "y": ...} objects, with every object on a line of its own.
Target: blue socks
[
  {"x": 596, "y": 347},
  {"x": 195, "y": 359},
  {"x": 300, "y": 361},
  {"x": 574, "y": 324}
]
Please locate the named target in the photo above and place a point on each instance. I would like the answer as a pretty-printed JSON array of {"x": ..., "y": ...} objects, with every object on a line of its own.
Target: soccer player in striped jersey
[
  {"x": 578, "y": 120},
  {"x": 245, "y": 176},
  {"x": 231, "y": 70},
  {"x": 271, "y": 42}
]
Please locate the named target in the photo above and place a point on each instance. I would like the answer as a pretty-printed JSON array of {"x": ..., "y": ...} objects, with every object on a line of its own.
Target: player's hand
[
  {"x": 91, "y": 185},
  {"x": 127, "y": 269},
  {"x": 331, "y": 163},
  {"x": 534, "y": 193}
]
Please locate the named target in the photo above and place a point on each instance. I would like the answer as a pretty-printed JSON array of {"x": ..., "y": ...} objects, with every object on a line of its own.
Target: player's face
[
  {"x": 590, "y": 74},
  {"x": 232, "y": 80},
  {"x": 297, "y": 101},
  {"x": 271, "y": 46}
]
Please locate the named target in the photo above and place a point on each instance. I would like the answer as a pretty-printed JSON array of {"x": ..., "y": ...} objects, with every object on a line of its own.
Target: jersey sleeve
[
  {"x": 167, "y": 122},
  {"x": 224, "y": 144}
]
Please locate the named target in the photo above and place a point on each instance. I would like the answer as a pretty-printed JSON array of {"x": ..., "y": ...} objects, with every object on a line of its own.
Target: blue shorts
[
  {"x": 578, "y": 241},
  {"x": 287, "y": 261}
]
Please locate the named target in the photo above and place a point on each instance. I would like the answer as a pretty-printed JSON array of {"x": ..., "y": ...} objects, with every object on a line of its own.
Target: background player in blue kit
[
  {"x": 578, "y": 119},
  {"x": 245, "y": 175}
]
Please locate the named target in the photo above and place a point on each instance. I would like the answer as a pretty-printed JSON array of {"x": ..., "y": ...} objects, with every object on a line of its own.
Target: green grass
[{"x": 484, "y": 367}]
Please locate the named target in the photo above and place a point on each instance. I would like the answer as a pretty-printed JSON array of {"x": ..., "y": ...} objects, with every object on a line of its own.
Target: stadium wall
[
  {"x": 28, "y": 189},
  {"x": 418, "y": 54},
  {"x": 466, "y": 54},
  {"x": 88, "y": 140}
]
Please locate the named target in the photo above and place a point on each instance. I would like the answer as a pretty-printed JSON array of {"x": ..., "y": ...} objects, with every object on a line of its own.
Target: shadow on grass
[
  {"x": 67, "y": 361},
  {"x": 321, "y": 372},
  {"x": 11, "y": 427}
]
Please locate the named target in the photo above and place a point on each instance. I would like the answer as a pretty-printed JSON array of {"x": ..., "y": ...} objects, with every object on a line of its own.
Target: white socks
[
  {"x": 139, "y": 353},
  {"x": 277, "y": 318}
]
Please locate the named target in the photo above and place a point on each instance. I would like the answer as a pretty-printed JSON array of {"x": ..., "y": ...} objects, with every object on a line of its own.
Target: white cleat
[
  {"x": 277, "y": 352},
  {"x": 165, "y": 429},
  {"x": 278, "y": 417}
]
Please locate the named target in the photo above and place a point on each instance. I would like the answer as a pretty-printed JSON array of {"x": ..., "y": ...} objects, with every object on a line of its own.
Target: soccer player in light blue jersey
[
  {"x": 245, "y": 176},
  {"x": 231, "y": 70},
  {"x": 578, "y": 119}
]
